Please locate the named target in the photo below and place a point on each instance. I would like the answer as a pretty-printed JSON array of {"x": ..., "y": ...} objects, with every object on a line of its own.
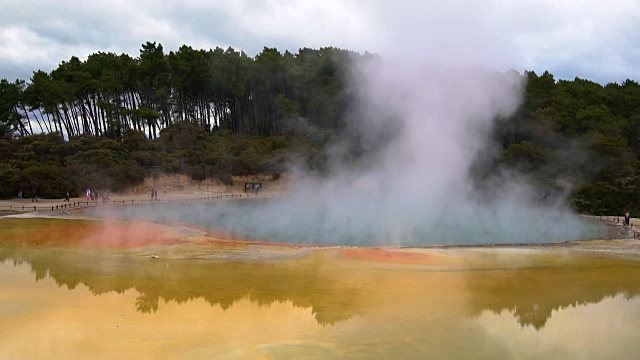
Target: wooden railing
[
  {"x": 619, "y": 221},
  {"x": 83, "y": 204}
]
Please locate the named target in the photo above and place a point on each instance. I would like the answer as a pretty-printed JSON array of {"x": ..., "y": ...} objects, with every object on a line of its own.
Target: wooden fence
[
  {"x": 618, "y": 220},
  {"x": 83, "y": 204}
]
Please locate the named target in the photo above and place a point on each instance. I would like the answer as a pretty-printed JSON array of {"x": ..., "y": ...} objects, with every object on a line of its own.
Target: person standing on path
[
  {"x": 34, "y": 196},
  {"x": 20, "y": 198},
  {"x": 627, "y": 218}
]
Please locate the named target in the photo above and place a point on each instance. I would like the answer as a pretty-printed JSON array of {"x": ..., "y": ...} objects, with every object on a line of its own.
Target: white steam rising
[
  {"x": 417, "y": 189},
  {"x": 423, "y": 127}
]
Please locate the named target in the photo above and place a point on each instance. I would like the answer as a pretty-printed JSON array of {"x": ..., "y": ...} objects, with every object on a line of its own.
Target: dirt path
[{"x": 170, "y": 188}]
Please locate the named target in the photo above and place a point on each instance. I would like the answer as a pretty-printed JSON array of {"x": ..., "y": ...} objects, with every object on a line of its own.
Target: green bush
[
  {"x": 226, "y": 179},
  {"x": 50, "y": 181},
  {"x": 9, "y": 181},
  {"x": 198, "y": 173}
]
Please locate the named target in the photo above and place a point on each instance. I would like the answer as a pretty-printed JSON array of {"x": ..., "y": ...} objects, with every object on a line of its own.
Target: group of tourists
[
  {"x": 92, "y": 196},
  {"x": 34, "y": 195},
  {"x": 96, "y": 197},
  {"x": 255, "y": 187}
]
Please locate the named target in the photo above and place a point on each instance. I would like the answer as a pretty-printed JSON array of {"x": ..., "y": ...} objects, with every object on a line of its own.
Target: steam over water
[
  {"x": 420, "y": 128},
  {"x": 288, "y": 220}
]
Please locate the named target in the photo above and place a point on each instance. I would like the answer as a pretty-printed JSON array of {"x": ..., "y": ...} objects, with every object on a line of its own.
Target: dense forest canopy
[
  {"x": 112, "y": 119},
  {"x": 220, "y": 89}
]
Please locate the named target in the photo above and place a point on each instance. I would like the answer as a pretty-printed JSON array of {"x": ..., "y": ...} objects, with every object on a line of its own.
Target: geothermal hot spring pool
[{"x": 72, "y": 288}]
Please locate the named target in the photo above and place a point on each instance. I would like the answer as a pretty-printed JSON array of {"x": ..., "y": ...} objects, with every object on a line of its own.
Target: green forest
[{"x": 110, "y": 120}]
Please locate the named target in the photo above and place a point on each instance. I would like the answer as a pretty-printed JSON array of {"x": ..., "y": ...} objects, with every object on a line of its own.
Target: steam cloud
[
  {"x": 421, "y": 127},
  {"x": 416, "y": 189}
]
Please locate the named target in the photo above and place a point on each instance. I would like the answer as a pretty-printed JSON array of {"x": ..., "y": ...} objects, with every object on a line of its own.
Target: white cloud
[
  {"x": 585, "y": 38},
  {"x": 23, "y": 51},
  {"x": 21, "y": 45},
  {"x": 321, "y": 23}
]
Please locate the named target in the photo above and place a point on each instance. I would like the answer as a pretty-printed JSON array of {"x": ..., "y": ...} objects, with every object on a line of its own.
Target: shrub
[
  {"x": 9, "y": 181},
  {"x": 226, "y": 179},
  {"x": 198, "y": 173},
  {"x": 51, "y": 181}
]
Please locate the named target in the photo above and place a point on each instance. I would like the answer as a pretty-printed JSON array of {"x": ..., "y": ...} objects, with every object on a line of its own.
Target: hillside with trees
[
  {"x": 108, "y": 94},
  {"x": 111, "y": 120}
]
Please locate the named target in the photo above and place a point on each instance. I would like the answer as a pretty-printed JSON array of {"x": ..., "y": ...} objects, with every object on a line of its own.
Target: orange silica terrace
[{"x": 86, "y": 233}]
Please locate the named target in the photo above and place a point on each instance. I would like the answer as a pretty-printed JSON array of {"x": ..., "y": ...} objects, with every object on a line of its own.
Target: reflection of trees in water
[
  {"x": 533, "y": 293},
  {"x": 306, "y": 283},
  {"x": 334, "y": 292},
  {"x": 146, "y": 304}
]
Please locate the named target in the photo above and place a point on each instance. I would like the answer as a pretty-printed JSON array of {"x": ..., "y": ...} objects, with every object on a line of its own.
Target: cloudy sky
[{"x": 594, "y": 39}]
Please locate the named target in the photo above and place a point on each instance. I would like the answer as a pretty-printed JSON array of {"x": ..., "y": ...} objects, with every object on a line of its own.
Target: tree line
[
  {"x": 576, "y": 138},
  {"x": 224, "y": 113},
  {"x": 220, "y": 89}
]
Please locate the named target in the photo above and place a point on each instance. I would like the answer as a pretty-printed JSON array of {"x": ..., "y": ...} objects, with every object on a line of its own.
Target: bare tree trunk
[
  {"x": 26, "y": 114},
  {"x": 59, "y": 125},
  {"x": 54, "y": 122},
  {"x": 41, "y": 119}
]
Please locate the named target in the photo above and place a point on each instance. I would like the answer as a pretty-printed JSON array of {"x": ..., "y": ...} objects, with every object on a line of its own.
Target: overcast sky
[{"x": 594, "y": 39}]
